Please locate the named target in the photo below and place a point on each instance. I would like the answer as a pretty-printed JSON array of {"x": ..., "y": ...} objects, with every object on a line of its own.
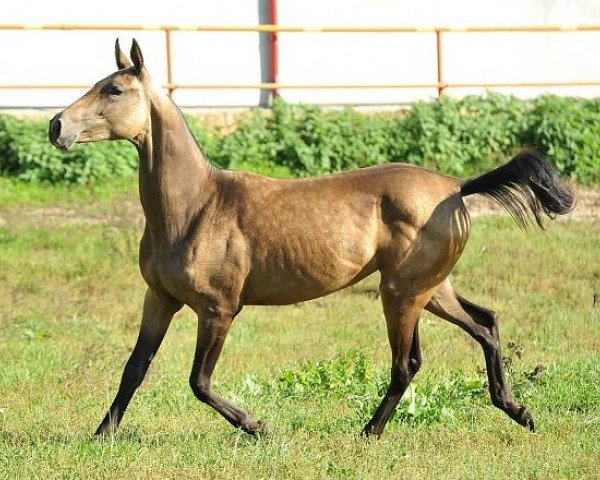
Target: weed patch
[{"x": 458, "y": 137}]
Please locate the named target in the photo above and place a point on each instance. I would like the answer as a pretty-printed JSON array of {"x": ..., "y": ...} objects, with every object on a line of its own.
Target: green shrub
[
  {"x": 463, "y": 137},
  {"x": 458, "y": 137},
  {"x": 568, "y": 130}
]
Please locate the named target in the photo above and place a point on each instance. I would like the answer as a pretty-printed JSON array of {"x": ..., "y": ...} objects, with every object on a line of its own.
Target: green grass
[
  {"x": 19, "y": 193},
  {"x": 69, "y": 311}
]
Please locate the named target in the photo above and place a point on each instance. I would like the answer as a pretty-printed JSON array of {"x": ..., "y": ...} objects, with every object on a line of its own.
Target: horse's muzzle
[{"x": 55, "y": 130}]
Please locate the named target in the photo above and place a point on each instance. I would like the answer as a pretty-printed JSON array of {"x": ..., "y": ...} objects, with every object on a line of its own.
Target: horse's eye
[{"x": 113, "y": 90}]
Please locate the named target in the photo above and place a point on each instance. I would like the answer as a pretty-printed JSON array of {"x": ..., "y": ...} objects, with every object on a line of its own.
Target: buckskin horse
[{"x": 217, "y": 240}]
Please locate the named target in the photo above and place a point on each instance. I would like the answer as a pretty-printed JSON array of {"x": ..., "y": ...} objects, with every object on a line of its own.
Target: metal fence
[{"x": 273, "y": 30}]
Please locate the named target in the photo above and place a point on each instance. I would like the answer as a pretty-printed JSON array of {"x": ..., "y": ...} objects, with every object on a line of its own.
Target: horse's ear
[
  {"x": 136, "y": 56},
  {"x": 121, "y": 58}
]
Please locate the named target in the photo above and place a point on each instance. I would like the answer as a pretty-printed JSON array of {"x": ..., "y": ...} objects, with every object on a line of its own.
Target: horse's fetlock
[{"x": 501, "y": 401}]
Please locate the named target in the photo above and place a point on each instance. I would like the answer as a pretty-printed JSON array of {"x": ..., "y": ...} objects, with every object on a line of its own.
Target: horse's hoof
[
  {"x": 525, "y": 419},
  {"x": 258, "y": 428},
  {"x": 369, "y": 432},
  {"x": 101, "y": 436},
  {"x": 263, "y": 429},
  {"x": 105, "y": 431}
]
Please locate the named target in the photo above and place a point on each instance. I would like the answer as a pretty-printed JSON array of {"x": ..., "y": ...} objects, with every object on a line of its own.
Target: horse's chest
[
  {"x": 163, "y": 270},
  {"x": 195, "y": 276}
]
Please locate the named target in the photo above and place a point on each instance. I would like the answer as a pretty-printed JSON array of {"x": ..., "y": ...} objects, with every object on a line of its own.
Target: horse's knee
[{"x": 200, "y": 388}]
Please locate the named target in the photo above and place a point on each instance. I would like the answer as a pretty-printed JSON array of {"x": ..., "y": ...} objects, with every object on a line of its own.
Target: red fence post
[{"x": 273, "y": 50}]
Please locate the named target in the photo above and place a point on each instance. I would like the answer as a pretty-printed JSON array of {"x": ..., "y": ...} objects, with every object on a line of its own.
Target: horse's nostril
[{"x": 55, "y": 126}]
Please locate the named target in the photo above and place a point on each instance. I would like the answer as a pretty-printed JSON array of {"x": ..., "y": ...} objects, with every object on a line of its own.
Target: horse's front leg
[
  {"x": 212, "y": 331},
  {"x": 159, "y": 309}
]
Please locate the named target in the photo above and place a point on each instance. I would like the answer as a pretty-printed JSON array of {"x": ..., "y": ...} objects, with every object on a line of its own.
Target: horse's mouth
[{"x": 65, "y": 144}]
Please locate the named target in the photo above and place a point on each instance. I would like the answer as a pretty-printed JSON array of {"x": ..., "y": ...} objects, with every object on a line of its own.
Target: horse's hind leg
[
  {"x": 402, "y": 318},
  {"x": 482, "y": 325}
]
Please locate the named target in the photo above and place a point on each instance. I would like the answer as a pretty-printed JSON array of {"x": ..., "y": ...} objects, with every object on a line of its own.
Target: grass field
[{"x": 69, "y": 307}]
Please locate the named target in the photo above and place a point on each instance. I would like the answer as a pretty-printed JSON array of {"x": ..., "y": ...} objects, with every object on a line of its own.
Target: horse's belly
[{"x": 303, "y": 268}]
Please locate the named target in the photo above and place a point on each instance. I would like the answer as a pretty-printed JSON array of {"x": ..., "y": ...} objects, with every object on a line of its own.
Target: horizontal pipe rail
[
  {"x": 311, "y": 29},
  {"x": 297, "y": 86},
  {"x": 324, "y": 86},
  {"x": 440, "y": 85}
]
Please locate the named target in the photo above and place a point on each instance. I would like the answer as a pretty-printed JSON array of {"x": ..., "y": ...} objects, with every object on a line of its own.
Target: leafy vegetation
[
  {"x": 349, "y": 377},
  {"x": 459, "y": 137},
  {"x": 569, "y": 131}
]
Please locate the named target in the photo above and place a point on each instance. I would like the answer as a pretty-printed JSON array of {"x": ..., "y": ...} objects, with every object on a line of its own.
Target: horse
[{"x": 217, "y": 239}]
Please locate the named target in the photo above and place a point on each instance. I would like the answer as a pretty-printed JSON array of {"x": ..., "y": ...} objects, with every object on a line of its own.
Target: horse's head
[{"x": 116, "y": 108}]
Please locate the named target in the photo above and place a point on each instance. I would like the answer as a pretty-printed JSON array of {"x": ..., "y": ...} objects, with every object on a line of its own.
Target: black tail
[{"x": 526, "y": 187}]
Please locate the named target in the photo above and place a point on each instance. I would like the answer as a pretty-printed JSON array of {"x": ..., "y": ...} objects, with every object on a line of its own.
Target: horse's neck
[{"x": 175, "y": 178}]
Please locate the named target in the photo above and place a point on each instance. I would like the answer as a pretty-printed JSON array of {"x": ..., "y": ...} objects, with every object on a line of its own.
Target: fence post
[
  {"x": 273, "y": 50},
  {"x": 440, "y": 74},
  {"x": 170, "y": 84}
]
